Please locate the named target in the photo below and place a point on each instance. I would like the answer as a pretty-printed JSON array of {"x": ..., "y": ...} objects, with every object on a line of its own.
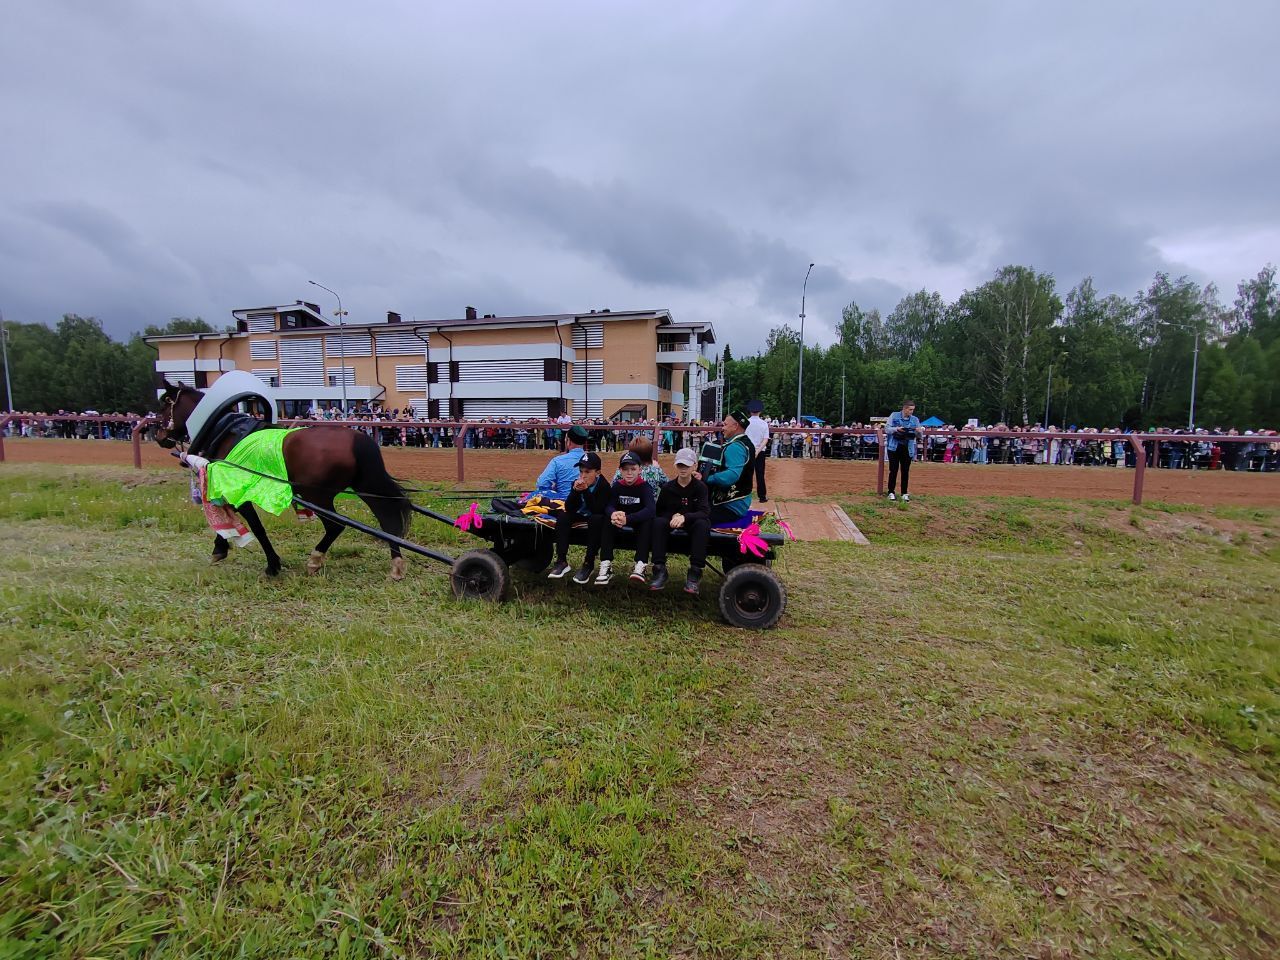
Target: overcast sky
[{"x": 166, "y": 158}]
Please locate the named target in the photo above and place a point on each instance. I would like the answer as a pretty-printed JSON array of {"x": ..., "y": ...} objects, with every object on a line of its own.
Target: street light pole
[
  {"x": 1048, "y": 392},
  {"x": 4, "y": 344},
  {"x": 800, "y": 377},
  {"x": 342, "y": 344},
  {"x": 1195, "y": 363},
  {"x": 842, "y": 420},
  {"x": 1195, "y": 366}
]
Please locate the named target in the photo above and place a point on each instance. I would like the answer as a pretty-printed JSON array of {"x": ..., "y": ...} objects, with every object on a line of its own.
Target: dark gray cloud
[
  {"x": 173, "y": 159},
  {"x": 1076, "y": 243}
]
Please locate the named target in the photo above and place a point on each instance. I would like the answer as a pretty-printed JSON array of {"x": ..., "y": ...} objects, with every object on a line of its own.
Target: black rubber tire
[
  {"x": 480, "y": 575},
  {"x": 752, "y": 597}
]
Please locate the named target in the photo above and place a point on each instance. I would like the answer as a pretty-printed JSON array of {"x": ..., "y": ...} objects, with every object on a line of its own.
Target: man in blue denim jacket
[{"x": 900, "y": 440}]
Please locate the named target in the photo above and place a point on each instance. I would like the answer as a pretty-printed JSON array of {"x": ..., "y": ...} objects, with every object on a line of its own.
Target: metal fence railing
[{"x": 1144, "y": 448}]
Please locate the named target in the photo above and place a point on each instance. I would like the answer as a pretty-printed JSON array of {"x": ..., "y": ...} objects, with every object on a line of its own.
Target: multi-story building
[{"x": 632, "y": 365}]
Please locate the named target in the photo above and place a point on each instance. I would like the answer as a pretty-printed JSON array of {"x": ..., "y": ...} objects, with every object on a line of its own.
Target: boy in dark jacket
[
  {"x": 586, "y": 503},
  {"x": 683, "y": 504},
  {"x": 631, "y": 504}
]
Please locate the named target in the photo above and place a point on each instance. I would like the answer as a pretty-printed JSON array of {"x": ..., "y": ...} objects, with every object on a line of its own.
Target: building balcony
[{"x": 684, "y": 356}]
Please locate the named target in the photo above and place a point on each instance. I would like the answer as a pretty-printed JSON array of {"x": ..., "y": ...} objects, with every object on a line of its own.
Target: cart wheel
[
  {"x": 752, "y": 597},
  {"x": 480, "y": 575}
]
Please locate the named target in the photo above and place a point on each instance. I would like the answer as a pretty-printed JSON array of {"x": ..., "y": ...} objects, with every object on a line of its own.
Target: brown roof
[
  {"x": 532, "y": 320},
  {"x": 545, "y": 318}
]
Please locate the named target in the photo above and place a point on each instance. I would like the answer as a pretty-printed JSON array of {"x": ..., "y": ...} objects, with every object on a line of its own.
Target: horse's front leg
[
  {"x": 221, "y": 547},
  {"x": 255, "y": 524}
]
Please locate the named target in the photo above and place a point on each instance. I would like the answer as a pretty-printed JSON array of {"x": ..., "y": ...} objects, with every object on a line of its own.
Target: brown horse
[{"x": 322, "y": 461}]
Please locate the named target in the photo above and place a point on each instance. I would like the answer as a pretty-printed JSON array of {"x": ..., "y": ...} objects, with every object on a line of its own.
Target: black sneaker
[
  {"x": 660, "y": 578},
  {"x": 584, "y": 573},
  {"x": 559, "y": 571},
  {"x": 691, "y": 581}
]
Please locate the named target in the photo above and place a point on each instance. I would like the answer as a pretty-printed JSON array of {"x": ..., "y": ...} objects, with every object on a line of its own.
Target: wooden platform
[{"x": 818, "y": 521}]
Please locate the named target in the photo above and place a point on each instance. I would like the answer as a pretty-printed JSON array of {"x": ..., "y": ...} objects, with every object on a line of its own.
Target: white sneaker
[
  {"x": 605, "y": 573},
  {"x": 638, "y": 573},
  {"x": 906, "y": 496},
  {"x": 892, "y": 495}
]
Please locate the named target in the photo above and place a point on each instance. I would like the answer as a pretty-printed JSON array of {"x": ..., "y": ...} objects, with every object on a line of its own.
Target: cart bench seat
[{"x": 524, "y": 535}]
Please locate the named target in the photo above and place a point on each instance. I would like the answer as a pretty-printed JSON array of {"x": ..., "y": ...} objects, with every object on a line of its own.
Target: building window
[{"x": 664, "y": 377}]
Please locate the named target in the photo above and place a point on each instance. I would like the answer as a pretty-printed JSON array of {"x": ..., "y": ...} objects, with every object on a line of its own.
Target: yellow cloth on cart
[{"x": 539, "y": 505}]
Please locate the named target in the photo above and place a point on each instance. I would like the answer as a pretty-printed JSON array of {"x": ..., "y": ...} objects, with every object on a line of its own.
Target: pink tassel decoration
[
  {"x": 470, "y": 520},
  {"x": 750, "y": 541},
  {"x": 786, "y": 528}
]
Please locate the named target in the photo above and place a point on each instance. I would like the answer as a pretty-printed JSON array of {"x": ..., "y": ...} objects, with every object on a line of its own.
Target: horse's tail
[{"x": 373, "y": 479}]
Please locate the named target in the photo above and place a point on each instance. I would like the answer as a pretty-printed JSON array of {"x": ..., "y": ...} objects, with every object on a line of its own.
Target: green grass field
[{"x": 1005, "y": 729}]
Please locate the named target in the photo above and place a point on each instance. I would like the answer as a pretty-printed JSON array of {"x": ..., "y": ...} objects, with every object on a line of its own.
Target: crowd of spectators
[
  {"x": 404, "y": 428},
  {"x": 69, "y": 425},
  {"x": 1177, "y": 449}
]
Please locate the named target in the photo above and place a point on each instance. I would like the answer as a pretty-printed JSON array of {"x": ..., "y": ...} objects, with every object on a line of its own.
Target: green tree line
[
  {"x": 996, "y": 353},
  {"x": 999, "y": 351},
  {"x": 76, "y": 366}
]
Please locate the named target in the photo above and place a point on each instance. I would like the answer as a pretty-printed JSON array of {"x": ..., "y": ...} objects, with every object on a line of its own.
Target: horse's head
[{"x": 176, "y": 404}]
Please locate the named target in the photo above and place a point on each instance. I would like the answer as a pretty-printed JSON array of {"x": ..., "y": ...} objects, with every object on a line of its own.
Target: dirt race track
[{"x": 791, "y": 479}]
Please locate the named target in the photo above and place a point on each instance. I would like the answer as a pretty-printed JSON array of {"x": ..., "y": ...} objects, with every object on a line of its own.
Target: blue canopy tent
[
  {"x": 816, "y": 421},
  {"x": 932, "y": 422}
]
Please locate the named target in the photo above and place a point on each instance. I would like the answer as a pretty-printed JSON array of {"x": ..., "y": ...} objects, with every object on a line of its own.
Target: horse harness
[
  {"x": 216, "y": 418},
  {"x": 230, "y": 426}
]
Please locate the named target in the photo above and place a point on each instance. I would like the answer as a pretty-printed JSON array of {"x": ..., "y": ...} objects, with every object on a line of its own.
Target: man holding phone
[{"x": 901, "y": 433}]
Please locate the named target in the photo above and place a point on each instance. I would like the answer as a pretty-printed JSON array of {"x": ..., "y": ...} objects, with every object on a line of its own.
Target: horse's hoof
[
  {"x": 217, "y": 558},
  {"x": 273, "y": 570},
  {"x": 315, "y": 563},
  {"x": 398, "y": 567}
]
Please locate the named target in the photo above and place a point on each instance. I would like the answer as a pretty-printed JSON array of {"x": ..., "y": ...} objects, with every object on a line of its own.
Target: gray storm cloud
[{"x": 169, "y": 159}]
